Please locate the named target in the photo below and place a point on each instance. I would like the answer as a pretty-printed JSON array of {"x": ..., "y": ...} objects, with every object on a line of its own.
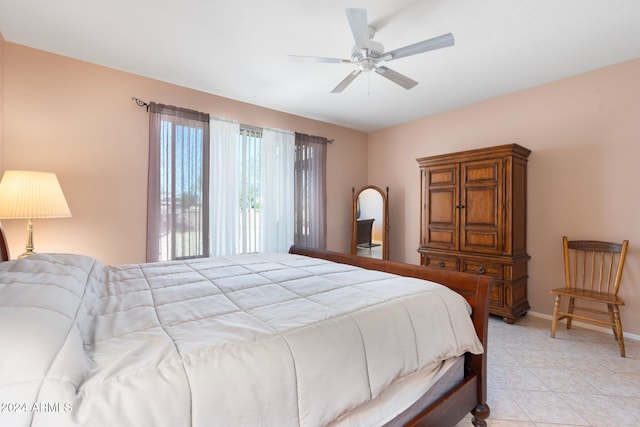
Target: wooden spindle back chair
[{"x": 593, "y": 272}]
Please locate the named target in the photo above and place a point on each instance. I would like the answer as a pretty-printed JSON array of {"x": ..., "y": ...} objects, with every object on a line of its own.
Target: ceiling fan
[{"x": 367, "y": 53}]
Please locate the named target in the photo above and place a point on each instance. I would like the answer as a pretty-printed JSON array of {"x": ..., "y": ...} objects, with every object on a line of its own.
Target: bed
[{"x": 308, "y": 338}]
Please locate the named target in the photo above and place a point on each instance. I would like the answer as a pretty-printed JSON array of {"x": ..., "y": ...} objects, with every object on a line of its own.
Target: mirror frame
[{"x": 385, "y": 219}]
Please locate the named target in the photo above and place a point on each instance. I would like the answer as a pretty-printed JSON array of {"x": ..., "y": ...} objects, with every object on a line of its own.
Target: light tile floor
[{"x": 575, "y": 379}]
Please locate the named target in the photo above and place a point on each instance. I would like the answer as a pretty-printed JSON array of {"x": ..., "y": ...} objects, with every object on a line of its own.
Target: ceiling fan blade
[
  {"x": 347, "y": 81},
  {"x": 396, "y": 77},
  {"x": 359, "y": 25},
  {"x": 303, "y": 58},
  {"x": 439, "y": 42}
]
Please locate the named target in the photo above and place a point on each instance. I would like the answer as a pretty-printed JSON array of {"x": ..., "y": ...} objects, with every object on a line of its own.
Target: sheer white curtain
[
  {"x": 277, "y": 190},
  {"x": 224, "y": 190}
]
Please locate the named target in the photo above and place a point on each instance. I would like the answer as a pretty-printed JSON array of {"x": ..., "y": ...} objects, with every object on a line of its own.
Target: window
[
  {"x": 178, "y": 205},
  {"x": 236, "y": 189},
  {"x": 249, "y": 158},
  {"x": 252, "y": 189}
]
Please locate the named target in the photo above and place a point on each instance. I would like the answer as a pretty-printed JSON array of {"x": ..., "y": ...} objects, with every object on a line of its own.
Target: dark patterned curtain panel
[
  {"x": 178, "y": 196},
  {"x": 310, "y": 198}
]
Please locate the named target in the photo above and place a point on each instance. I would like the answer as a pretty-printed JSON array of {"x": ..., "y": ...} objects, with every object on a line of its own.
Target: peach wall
[
  {"x": 78, "y": 120},
  {"x": 584, "y": 178}
]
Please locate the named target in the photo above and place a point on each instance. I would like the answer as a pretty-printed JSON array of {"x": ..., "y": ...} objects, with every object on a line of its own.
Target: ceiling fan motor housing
[{"x": 366, "y": 54}]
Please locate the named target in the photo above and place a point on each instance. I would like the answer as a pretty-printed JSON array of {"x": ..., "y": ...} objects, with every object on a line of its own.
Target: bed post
[{"x": 4, "y": 248}]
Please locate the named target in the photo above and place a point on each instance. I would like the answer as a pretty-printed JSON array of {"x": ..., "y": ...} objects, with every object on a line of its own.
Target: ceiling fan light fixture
[{"x": 366, "y": 65}]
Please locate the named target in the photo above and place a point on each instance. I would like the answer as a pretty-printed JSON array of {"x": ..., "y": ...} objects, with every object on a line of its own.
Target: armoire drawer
[
  {"x": 481, "y": 267},
  {"x": 437, "y": 261}
]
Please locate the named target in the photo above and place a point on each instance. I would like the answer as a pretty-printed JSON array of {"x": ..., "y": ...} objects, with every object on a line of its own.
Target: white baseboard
[{"x": 585, "y": 325}]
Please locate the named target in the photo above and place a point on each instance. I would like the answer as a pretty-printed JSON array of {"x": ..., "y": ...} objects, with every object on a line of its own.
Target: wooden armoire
[{"x": 474, "y": 219}]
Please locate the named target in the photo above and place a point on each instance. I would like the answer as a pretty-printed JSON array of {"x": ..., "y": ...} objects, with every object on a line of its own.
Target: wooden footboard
[{"x": 471, "y": 394}]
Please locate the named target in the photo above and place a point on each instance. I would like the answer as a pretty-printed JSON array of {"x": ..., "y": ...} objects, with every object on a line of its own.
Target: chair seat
[{"x": 589, "y": 295}]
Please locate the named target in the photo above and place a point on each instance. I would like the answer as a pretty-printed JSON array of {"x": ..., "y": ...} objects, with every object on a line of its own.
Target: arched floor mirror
[{"x": 370, "y": 226}]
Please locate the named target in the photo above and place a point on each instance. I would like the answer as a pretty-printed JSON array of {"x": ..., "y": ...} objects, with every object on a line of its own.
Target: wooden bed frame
[{"x": 470, "y": 395}]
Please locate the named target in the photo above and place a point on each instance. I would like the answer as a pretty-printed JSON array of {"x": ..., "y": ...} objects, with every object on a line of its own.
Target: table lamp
[{"x": 29, "y": 195}]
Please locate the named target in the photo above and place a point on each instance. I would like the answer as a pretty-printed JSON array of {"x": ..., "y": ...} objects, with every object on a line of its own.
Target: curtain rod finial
[{"x": 140, "y": 102}]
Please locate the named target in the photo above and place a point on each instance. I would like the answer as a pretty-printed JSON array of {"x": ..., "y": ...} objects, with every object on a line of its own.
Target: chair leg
[
  {"x": 556, "y": 311},
  {"x": 618, "y": 322},
  {"x": 612, "y": 319},
  {"x": 572, "y": 302}
]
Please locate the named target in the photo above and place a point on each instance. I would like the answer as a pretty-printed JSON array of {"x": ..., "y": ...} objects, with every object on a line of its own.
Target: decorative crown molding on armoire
[{"x": 474, "y": 219}]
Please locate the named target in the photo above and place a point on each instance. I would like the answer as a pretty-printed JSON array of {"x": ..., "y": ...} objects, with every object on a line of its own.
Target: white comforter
[{"x": 252, "y": 340}]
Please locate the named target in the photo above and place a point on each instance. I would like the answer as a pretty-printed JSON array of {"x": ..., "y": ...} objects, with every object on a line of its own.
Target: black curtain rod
[
  {"x": 329, "y": 141},
  {"x": 142, "y": 103}
]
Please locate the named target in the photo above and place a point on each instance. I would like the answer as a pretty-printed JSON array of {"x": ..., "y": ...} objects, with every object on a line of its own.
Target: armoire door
[
  {"x": 440, "y": 201},
  {"x": 481, "y": 206}
]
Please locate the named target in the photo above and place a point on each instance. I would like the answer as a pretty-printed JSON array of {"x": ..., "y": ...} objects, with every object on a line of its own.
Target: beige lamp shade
[{"x": 28, "y": 195}]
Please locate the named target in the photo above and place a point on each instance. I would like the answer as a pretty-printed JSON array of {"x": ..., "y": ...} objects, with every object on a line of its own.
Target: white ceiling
[{"x": 238, "y": 48}]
